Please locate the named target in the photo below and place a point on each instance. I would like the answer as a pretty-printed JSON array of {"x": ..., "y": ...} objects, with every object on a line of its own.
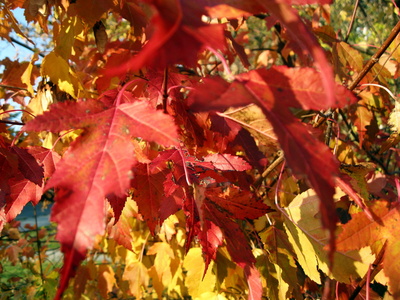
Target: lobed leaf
[{"x": 98, "y": 163}]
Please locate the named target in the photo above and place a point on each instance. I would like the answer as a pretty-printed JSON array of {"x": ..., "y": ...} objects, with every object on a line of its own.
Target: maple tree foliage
[{"x": 199, "y": 165}]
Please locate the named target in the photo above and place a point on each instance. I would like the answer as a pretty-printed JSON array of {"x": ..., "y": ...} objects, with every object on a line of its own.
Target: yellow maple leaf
[
  {"x": 305, "y": 232},
  {"x": 196, "y": 284},
  {"x": 59, "y": 72},
  {"x": 137, "y": 275}
]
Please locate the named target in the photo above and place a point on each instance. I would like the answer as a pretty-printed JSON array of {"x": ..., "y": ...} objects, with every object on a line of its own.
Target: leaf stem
[
  {"x": 224, "y": 63},
  {"x": 246, "y": 125},
  {"x": 270, "y": 168},
  {"x": 38, "y": 243},
  {"x": 164, "y": 89},
  {"x": 17, "y": 110},
  {"x": 60, "y": 137},
  {"x": 121, "y": 92}
]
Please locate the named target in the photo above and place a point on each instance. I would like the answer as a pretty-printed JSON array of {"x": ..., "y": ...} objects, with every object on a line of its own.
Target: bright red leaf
[
  {"x": 98, "y": 164},
  {"x": 178, "y": 34},
  {"x": 28, "y": 165}
]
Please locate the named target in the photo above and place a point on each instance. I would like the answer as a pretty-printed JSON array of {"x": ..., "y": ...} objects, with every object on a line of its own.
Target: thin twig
[
  {"x": 371, "y": 62},
  {"x": 270, "y": 168},
  {"x": 375, "y": 58},
  {"x": 12, "y": 122},
  {"x": 38, "y": 243},
  {"x": 11, "y": 87},
  {"x": 353, "y": 17},
  {"x": 328, "y": 131},
  {"x": 26, "y": 46},
  {"x": 369, "y": 153}
]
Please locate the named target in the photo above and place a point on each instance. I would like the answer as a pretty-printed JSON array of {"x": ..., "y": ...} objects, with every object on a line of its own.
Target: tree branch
[
  {"x": 374, "y": 59},
  {"x": 353, "y": 17},
  {"x": 26, "y": 46},
  {"x": 12, "y": 122},
  {"x": 368, "y": 66},
  {"x": 11, "y": 87}
]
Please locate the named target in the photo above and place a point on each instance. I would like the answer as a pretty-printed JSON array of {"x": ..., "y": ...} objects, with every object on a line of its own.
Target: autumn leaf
[
  {"x": 150, "y": 194},
  {"x": 178, "y": 35},
  {"x": 309, "y": 240},
  {"x": 98, "y": 164},
  {"x": 196, "y": 281},
  {"x": 216, "y": 210},
  {"x": 96, "y": 9},
  {"x": 360, "y": 232},
  {"x": 22, "y": 191},
  {"x": 281, "y": 258},
  {"x": 137, "y": 275},
  {"x": 227, "y": 162},
  {"x": 297, "y": 30},
  {"x": 106, "y": 279},
  {"x": 62, "y": 75},
  {"x": 120, "y": 227},
  {"x": 28, "y": 165},
  {"x": 34, "y": 163}
]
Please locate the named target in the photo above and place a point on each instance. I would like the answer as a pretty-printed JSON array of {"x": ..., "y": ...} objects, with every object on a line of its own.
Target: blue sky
[{"x": 14, "y": 51}]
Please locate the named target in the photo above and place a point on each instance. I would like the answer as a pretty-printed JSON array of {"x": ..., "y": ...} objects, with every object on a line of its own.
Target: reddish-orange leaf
[
  {"x": 28, "y": 165},
  {"x": 22, "y": 191},
  {"x": 90, "y": 11},
  {"x": 236, "y": 203},
  {"x": 361, "y": 231},
  {"x": 227, "y": 162},
  {"x": 178, "y": 34},
  {"x": 154, "y": 195},
  {"x": 282, "y": 11}
]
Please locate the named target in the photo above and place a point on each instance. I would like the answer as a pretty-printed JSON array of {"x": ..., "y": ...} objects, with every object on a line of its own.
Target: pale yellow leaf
[
  {"x": 303, "y": 226},
  {"x": 26, "y": 76},
  {"x": 168, "y": 230},
  {"x": 194, "y": 265},
  {"x": 211, "y": 296},
  {"x": 137, "y": 276},
  {"x": 59, "y": 72},
  {"x": 394, "y": 118},
  {"x": 38, "y": 104},
  {"x": 156, "y": 282},
  {"x": 162, "y": 262},
  {"x": 176, "y": 285}
]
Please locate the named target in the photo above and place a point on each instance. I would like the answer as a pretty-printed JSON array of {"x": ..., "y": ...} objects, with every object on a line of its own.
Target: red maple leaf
[
  {"x": 98, "y": 163},
  {"x": 155, "y": 194},
  {"x": 217, "y": 207},
  {"x": 25, "y": 184},
  {"x": 281, "y": 10},
  {"x": 178, "y": 34}
]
